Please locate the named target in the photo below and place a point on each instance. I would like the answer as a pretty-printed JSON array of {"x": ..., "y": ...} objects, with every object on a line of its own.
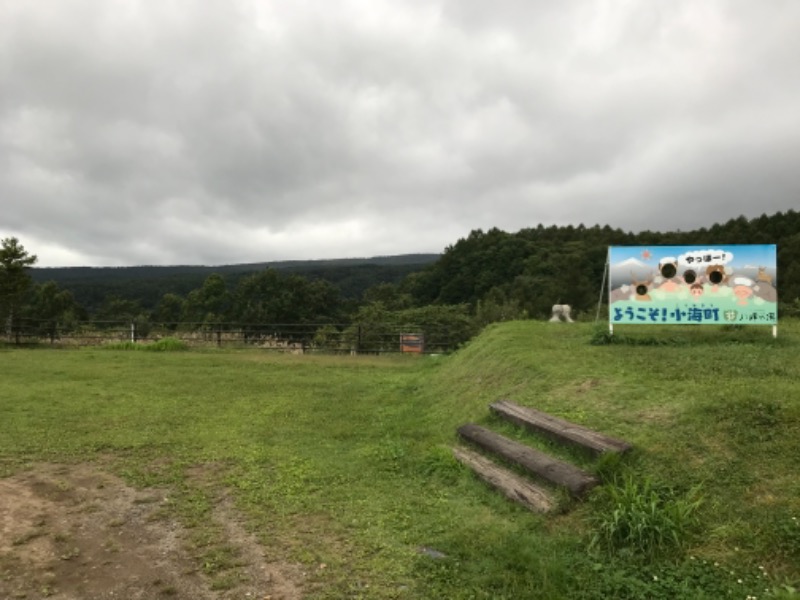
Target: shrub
[{"x": 166, "y": 345}]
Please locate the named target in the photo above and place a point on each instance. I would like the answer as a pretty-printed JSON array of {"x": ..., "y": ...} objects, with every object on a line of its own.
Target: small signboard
[
  {"x": 705, "y": 285},
  {"x": 412, "y": 342}
]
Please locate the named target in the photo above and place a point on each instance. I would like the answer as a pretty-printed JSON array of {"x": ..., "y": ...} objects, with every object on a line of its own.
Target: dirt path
[{"x": 74, "y": 532}]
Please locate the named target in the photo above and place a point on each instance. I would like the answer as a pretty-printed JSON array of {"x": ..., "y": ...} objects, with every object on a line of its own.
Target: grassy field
[{"x": 345, "y": 461}]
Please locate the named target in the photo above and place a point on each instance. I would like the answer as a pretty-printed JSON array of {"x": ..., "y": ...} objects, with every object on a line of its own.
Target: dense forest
[
  {"x": 487, "y": 276},
  {"x": 147, "y": 285}
]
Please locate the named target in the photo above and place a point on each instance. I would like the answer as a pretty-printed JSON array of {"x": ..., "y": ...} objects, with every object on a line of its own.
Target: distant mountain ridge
[
  {"x": 57, "y": 274},
  {"x": 91, "y": 286}
]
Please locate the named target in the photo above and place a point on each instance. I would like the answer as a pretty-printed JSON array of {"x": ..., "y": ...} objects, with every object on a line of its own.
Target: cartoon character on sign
[
  {"x": 742, "y": 289},
  {"x": 716, "y": 275},
  {"x": 640, "y": 289},
  {"x": 668, "y": 267},
  {"x": 696, "y": 291}
]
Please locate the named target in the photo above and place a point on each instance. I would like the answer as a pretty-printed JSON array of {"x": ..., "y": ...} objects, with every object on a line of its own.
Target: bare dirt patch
[{"x": 74, "y": 532}]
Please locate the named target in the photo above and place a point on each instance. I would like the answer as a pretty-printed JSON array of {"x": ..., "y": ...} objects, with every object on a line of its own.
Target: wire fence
[{"x": 298, "y": 338}]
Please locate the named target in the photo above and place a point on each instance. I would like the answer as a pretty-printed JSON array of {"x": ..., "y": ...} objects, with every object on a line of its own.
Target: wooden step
[
  {"x": 538, "y": 463},
  {"x": 513, "y": 486},
  {"x": 558, "y": 429}
]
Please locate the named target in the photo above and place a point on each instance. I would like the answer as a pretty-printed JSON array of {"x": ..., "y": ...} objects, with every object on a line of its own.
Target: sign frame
[{"x": 718, "y": 284}]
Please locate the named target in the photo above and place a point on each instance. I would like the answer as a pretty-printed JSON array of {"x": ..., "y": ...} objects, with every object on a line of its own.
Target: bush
[{"x": 166, "y": 345}]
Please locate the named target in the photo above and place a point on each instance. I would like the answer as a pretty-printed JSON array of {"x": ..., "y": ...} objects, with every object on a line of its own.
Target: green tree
[
  {"x": 14, "y": 280},
  {"x": 52, "y": 309},
  {"x": 496, "y": 306},
  {"x": 209, "y": 304},
  {"x": 789, "y": 268},
  {"x": 389, "y": 294},
  {"x": 116, "y": 309},
  {"x": 270, "y": 297},
  {"x": 118, "y": 312},
  {"x": 169, "y": 310},
  {"x": 445, "y": 327},
  {"x": 376, "y": 329}
]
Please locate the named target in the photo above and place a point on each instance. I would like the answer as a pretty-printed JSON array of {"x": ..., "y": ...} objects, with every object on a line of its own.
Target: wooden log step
[
  {"x": 512, "y": 486},
  {"x": 558, "y": 429},
  {"x": 538, "y": 463}
]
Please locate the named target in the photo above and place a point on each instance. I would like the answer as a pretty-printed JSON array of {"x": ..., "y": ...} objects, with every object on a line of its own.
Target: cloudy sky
[{"x": 228, "y": 131}]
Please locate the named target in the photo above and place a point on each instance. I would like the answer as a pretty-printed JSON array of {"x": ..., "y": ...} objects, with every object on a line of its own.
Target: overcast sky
[{"x": 230, "y": 131}]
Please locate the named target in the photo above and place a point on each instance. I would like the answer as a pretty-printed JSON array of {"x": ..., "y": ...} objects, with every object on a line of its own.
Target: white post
[
  {"x": 603, "y": 287},
  {"x": 133, "y": 332},
  {"x": 775, "y": 331}
]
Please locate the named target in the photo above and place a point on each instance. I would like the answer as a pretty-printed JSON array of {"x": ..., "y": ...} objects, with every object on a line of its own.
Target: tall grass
[
  {"x": 162, "y": 345},
  {"x": 639, "y": 519}
]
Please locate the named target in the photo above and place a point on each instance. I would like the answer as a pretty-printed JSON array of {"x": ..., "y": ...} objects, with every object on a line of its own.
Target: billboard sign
[{"x": 713, "y": 284}]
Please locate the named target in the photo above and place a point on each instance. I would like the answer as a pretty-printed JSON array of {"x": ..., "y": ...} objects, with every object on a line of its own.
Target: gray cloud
[{"x": 214, "y": 131}]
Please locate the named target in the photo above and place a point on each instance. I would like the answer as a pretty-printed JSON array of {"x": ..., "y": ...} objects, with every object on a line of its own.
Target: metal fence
[{"x": 299, "y": 338}]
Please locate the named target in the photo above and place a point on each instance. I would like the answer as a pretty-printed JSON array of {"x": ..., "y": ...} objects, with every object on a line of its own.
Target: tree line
[
  {"x": 484, "y": 277},
  {"x": 511, "y": 275},
  {"x": 311, "y": 310}
]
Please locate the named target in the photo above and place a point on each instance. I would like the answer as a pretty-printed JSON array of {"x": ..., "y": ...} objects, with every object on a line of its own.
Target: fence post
[
  {"x": 219, "y": 336},
  {"x": 133, "y": 332}
]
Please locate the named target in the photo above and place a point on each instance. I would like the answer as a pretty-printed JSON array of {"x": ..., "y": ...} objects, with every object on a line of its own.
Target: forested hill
[
  {"x": 91, "y": 286},
  {"x": 513, "y": 274}
]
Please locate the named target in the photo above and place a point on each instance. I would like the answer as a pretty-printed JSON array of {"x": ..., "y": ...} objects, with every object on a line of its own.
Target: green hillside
[
  {"x": 711, "y": 409},
  {"x": 91, "y": 286}
]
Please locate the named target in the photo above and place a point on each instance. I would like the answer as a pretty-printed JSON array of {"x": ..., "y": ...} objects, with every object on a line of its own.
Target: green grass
[
  {"x": 163, "y": 345},
  {"x": 635, "y": 518},
  {"x": 346, "y": 460}
]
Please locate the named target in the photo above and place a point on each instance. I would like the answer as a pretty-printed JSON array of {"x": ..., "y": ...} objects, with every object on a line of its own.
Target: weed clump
[
  {"x": 641, "y": 519},
  {"x": 166, "y": 345},
  {"x": 690, "y": 577}
]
